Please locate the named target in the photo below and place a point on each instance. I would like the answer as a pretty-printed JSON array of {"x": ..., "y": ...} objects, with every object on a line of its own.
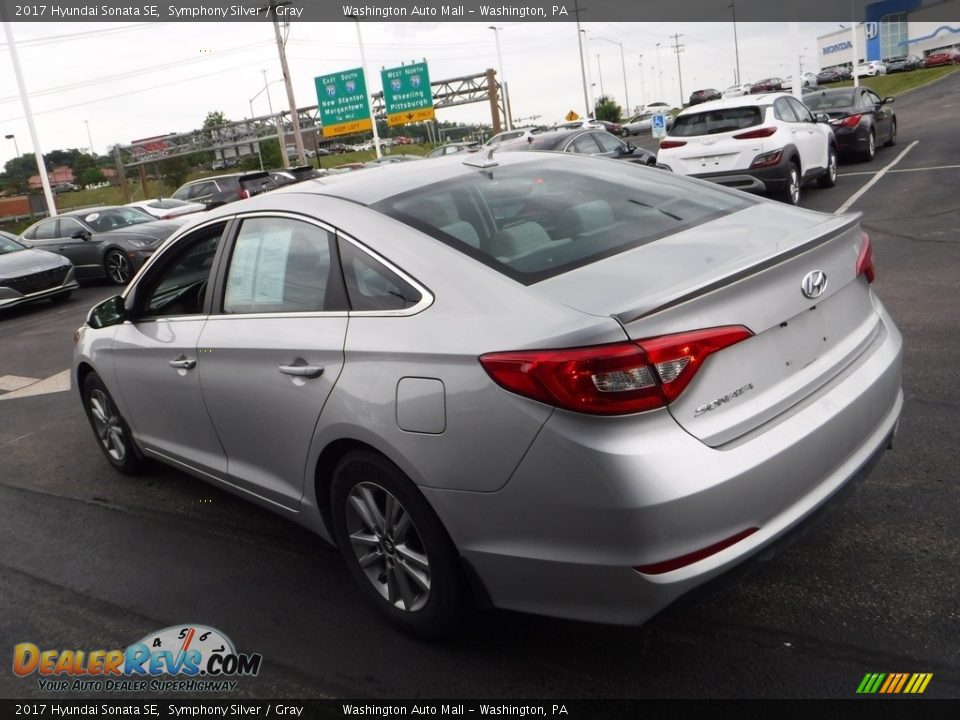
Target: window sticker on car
[{"x": 91, "y": 217}]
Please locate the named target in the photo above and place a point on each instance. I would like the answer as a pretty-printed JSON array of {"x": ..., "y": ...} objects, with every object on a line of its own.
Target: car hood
[
  {"x": 154, "y": 231},
  {"x": 25, "y": 262}
]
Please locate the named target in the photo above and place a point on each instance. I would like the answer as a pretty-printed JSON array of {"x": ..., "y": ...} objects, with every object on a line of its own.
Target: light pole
[
  {"x": 89, "y": 140},
  {"x": 600, "y": 76},
  {"x": 279, "y": 120},
  {"x": 586, "y": 42},
  {"x": 659, "y": 72},
  {"x": 643, "y": 85},
  {"x": 583, "y": 71},
  {"x": 503, "y": 79},
  {"x": 736, "y": 45},
  {"x": 16, "y": 148},
  {"x": 363, "y": 68},
  {"x": 623, "y": 67}
]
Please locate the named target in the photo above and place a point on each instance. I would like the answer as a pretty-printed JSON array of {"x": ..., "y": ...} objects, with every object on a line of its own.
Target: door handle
[
  {"x": 304, "y": 371},
  {"x": 183, "y": 363}
]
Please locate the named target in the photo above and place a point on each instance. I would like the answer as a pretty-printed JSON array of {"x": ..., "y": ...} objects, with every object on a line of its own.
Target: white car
[
  {"x": 738, "y": 90},
  {"x": 768, "y": 143},
  {"x": 508, "y": 135},
  {"x": 809, "y": 80},
  {"x": 871, "y": 68},
  {"x": 166, "y": 208}
]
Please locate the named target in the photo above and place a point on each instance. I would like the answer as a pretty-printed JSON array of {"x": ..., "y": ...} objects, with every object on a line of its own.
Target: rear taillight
[
  {"x": 850, "y": 121},
  {"x": 865, "y": 259},
  {"x": 754, "y": 134},
  {"x": 243, "y": 194},
  {"x": 615, "y": 379},
  {"x": 666, "y": 144}
]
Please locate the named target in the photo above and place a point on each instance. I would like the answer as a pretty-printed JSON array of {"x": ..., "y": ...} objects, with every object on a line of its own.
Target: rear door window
[
  {"x": 607, "y": 142},
  {"x": 712, "y": 122},
  {"x": 584, "y": 145},
  {"x": 371, "y": 285},
  {"x": 783, "y": 111}
]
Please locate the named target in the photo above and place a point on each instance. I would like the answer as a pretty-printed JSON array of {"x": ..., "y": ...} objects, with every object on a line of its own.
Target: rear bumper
[
  {"x": 593, "y": 499},
  {"x": 768, "y": 180},
  {"x": 852, "y": 139}
]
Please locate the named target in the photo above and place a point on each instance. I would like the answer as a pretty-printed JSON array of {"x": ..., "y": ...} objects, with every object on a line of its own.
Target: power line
[{"x": 67, "y": 37}]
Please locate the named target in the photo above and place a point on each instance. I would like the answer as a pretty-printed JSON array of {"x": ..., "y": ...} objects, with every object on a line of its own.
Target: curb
[{"x": 928, "y": 83}]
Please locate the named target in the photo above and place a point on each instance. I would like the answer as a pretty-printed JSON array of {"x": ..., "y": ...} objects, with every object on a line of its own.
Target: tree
[
  {"x": 175, "y": 171},
  {"x": 607, "y": 109},
  {"x": 270, "y": 152},
  {"x": 215, "y": 118},
  {"x": 91, "y": 176}
]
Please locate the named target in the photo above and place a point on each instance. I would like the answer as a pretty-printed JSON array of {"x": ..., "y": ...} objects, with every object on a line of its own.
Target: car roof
[
  {"x": 733, "y": 102},
  {"x": 91, "y": 211}
]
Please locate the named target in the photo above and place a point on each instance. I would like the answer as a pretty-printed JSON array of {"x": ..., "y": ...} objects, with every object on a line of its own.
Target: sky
[{"x": 129, "y": 81}]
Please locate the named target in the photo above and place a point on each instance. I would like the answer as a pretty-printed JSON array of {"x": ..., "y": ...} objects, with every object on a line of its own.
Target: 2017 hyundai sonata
[{"x": 557, "y": 384}]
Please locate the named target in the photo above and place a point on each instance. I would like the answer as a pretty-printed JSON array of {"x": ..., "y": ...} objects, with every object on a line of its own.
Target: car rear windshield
[
  {"x": 536, "y": 220},
  {"x": 711, "y": 122},
  {"x": 829, "y": 100}
]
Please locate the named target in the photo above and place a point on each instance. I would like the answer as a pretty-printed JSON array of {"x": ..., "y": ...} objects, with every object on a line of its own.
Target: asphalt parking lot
[{"x": 93, "y": 559}]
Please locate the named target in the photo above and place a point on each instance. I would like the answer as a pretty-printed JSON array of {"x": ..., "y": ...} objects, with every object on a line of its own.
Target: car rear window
[
  {"x": 536, "y": 220},
  {"x": 711, "y": 122},
  {"x": 829, "y": 100}
]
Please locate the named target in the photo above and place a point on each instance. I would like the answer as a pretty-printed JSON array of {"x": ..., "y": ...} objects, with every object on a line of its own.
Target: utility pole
[
  {"x": 736, "y": 44},
  {"x": 294, "y": 115},
  {"x": 600, "y": 76},
  {"x": 583, "y": 71},
  {"x": 643, "y": 85},
  {"x": 623, "y": 67},
  {"x": 678, "y": 48},
  {"x": 586, "y": 52},
  {"x": 363, "y": 69},
  {"x": 89, "y": 139},
  {"x": 503, "y": 79}
]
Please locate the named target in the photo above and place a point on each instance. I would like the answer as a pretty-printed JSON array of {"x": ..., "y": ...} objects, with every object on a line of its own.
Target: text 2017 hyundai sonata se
[{"x": 563, "y": 385}]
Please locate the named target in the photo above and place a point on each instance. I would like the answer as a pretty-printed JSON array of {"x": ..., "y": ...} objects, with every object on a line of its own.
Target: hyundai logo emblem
[{"x": 814, "y": 283}]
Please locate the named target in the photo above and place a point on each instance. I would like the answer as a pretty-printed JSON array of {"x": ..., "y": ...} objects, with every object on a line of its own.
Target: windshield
[
  {"x": 711, "y": 122},
  {"x": 829, "y": 101},
  {"x": 116, "y": 218},
  {"x": 539, "y": 219},
  {"x": 9, "y": 245}
]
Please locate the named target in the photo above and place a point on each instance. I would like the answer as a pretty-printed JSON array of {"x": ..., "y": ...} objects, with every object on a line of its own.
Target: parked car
[
  {"x": 948, "y": 56},
  {"x": 110, "y": 242},
  {"x": 30, "y": 274},
  {"x": 871, "y": 69},
  {"x": 166, "y": 208},
  {"x": 643, "y": 123},
  {"x": 859, "y": 117},
  {"x": 391, "y": 159},
  {"x": 292, "y": 152},
  {"x": 512, "y": 135},
  {"x": 700, "y": 96},
  {"x": 578, "y": 124},
  {"x": 221, "y": 189},
  {"x": 599, "y": 143},
  {"x": 453, "y": 148},
  {"x": 768, "y": 143},
  {"x": 555, "y": 383},
  {"x": 738, "y": 90},
  {"x": 657, "y": 107},
  {"x": 904, "y": 63},
  {"x": 767, "y": 85},
  {"x": 809, "y": 80},
  {"x": 64, "y": 187},
  {"x": 337, "y": 148},
  {"x": 838, "y": 74}
]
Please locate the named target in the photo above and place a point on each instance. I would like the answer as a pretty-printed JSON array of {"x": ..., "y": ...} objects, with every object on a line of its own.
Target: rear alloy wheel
[
  {"x": 396, "y": 548},
  {"x": 893, "y": 134},
  {"x": 110, "y": 428},
  {"x": 791, "y": 193},
  {"x": 871, "y": 150},
  {"x": 829, "y": 177},
  {"x": 117, "y": 266}
]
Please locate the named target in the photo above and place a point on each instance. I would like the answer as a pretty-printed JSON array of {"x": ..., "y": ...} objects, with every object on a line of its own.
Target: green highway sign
[
  {"x": 406, "y": 94},
  {"x": 344, "y": 106}
]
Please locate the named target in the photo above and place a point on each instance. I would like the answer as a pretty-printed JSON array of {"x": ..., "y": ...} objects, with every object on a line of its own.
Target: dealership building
[{"x": 892, "y": 28}]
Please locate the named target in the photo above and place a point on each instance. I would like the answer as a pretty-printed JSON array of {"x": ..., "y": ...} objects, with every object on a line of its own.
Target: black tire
[
  {"x": 829, "y": 176},
  {"x": 871, "y": 151},
  {"x": 393, "y": 560},
  {"x": 791, "y": 191},
  {"x": 117, "y": 267},
  {"x": 110, "y": 429},
  {"x": 893, "y": 134}
]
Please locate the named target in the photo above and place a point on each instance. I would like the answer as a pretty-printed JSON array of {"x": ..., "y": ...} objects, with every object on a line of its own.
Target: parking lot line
[{"x": 873, "y": 181}]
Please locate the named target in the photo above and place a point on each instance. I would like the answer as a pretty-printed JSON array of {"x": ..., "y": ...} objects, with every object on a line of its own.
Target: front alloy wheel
[{"x": 118, "y": 267}]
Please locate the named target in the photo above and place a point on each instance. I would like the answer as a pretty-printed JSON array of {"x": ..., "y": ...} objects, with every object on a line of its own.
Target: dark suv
[{"x": 222, "y": 189}]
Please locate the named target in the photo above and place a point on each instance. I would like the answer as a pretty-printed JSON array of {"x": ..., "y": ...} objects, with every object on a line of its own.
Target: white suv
[{"x": 769, "y": 143}]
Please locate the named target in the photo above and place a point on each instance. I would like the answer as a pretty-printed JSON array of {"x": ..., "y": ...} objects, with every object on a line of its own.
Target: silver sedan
[{"x": 550, "y": 383}]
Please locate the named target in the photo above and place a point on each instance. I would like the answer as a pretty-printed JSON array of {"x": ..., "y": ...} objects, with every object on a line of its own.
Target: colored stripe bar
[
  {"x": 862, "y": 687},
  {"x": 903, "y": 678},
  {"x": 891, "y": 680},
  {"x": 876, "y": 683},
  {"x": 913, "y": 682},
  {"x": 926, "y": 681}
]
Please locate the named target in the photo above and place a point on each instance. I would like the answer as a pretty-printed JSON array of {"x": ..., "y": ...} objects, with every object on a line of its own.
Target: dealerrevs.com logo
[{"x": 182, "y": 658}]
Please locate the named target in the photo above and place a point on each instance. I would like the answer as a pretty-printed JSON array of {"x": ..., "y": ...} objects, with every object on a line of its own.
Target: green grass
[{"x": 893, "y": 85}]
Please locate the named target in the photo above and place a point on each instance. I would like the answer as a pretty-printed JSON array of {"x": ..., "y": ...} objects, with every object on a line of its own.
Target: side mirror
[
  {"x": 81, "y": 235},
  {"x": 822, "y": 117},
  {"x": 631, "y": 147},
  {"x": 888, "y": 100},
  {"x": 111, "y": 311}
]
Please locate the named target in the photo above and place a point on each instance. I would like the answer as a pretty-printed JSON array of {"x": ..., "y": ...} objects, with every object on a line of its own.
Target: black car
[
  {"x": 221, "y": 189},
  {"x": 582, "y": 142},
  {"x": 860, "y": 119},
  {"x": 102, "y": 242},
  {"x": 700, "y": 96},
  {"x": 767, "y": 85},
  {"x": 453, "y": 148},
  {"x": 27, "y": 274},
  {"x": 839, "y": 74},
  {"x": 904, "y": 63}
]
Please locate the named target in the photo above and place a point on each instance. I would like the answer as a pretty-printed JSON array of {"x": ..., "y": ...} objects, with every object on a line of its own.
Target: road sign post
[
  {"x": 343, "y": 103},
  {"x": 658, "y": 126},
  {"x": 407, "y": 96}
]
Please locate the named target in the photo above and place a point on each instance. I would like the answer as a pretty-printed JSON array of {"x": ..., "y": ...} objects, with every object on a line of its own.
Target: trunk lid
[{"x": 744, "y": 269}]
